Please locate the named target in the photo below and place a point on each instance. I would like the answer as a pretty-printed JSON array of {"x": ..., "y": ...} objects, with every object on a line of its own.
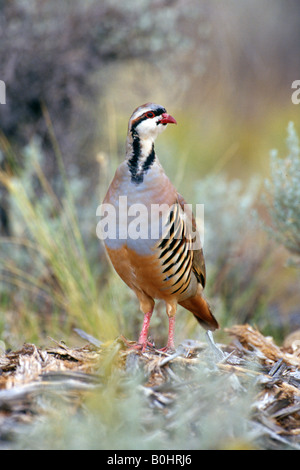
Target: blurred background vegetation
[{"x": 74, "y": 72}]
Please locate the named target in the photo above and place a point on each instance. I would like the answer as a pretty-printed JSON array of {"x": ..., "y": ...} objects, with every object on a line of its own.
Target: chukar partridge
[{"x": 154, "y": 265}]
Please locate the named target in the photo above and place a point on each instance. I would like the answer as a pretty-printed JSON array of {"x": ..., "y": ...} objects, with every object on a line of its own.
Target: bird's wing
[
  {"x": 198, "y": 265},
  {"x": 174, "y": 251},
  {"x": 177, "y": 255}
]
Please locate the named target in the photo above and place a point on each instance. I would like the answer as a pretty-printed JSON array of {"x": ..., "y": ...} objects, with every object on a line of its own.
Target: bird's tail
[{"x": 200, "y": 308}]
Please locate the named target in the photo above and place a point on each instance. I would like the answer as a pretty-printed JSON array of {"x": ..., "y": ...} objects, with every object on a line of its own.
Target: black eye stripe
[
  {"x": 153, "y": 113},
  {"x": 143, "y": 117}
]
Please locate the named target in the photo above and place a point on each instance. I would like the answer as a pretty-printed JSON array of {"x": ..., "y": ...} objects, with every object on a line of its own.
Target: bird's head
[{"x": 149, "y": 120}]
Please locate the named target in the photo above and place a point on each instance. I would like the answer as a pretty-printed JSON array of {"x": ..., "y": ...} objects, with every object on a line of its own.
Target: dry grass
[{"x": 252, "y": 371}]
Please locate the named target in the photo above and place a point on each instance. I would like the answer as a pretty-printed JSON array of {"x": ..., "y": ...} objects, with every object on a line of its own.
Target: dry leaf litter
[{"x": 249, "y": 361}]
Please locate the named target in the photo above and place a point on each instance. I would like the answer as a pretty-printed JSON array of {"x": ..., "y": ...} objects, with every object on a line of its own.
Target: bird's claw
[
  {"x": 142, "y": 346},
  {"x": 167, "y": 349}
]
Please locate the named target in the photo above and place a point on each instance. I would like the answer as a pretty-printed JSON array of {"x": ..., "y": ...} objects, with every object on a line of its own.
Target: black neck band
[{"x": 137, "y": 175}]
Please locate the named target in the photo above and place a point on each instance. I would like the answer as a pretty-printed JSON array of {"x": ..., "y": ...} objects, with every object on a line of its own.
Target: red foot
[
  {"x": 142, "y": 346},
  {"x": 167, "y": 349},
  {"x": 170, "y": 344}
]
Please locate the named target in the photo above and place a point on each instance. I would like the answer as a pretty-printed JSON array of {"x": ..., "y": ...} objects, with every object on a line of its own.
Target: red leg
[
  {"x": 143, "y": 342},
  {"x": 170, "y": 344}
]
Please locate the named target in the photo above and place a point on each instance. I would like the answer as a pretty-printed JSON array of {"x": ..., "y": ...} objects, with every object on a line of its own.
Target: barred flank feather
[{"x": 175, "y": 252}]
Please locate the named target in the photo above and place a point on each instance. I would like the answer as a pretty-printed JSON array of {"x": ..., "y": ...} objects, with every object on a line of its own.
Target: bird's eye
[{"x": 150, "y": 114}]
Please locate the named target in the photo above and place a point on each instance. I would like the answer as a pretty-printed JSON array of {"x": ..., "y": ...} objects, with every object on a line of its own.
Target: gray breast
[{"x": 137, "y": 213}]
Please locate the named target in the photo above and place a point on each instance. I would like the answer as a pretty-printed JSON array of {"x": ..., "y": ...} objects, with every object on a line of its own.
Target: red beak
[{"x": 167, "y": 119}]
